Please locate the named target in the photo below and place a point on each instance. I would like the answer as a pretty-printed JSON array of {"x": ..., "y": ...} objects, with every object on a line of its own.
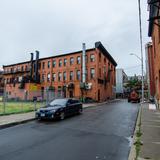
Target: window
[
  {"x": 18, "y": 68},
  {"x": 39, "y": 65},
  {"x": 43, "y": 65},
  {"x": 17, "y": 79},
  {"x": 71, "y": 75},
  {"x": 64, "y": 76},
  {"x": 59, "y": 91},
  {"x": 43, "y": 77},
  {"x": 59, "y": 76},
  {"x": 104, "y": 60},
  {"x": 54, "y": 63},
  {"x": 49, "y": 63},
  {"x": 22, "y": 68},
  {"x": 92, "y": 58},
  {"x": 108, "y": 65},
  {"x": 78, "y": 75},
  {"x": 26, "y": 68},
  {"x": 99, "y": 72},
  {"x": 92, "y": 73},
  {"x": 86, "y": 59},
  {"x": 100, "y": 57},
  {"x": 65, "y": 62},
  {"x": 71, "y": 60},
  {"x": 60, "y": 63},
  {"x": 7, "y": 80},
  {"x": 54, "y": 77},
  {"x": 78, "y": 60},
  {"x": 104, "y": 68},
  {"x": 48, "y": 77},
  {"x": 86, "y": 74}
]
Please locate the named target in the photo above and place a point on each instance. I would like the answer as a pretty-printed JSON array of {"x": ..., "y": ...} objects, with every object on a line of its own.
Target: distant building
[
  {"x": 136, "y": 77},
  {"x": 63, "y": 74},
  {"x": 1, "y": 83},
  {"x": 121, "y": 80}
]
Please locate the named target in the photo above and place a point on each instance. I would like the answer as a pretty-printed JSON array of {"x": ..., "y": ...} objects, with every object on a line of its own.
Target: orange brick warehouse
[{"x": 63, "y": 73}]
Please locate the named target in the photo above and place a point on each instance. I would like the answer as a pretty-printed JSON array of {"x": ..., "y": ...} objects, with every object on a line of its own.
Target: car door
[
  {"x": 69, "y": 107},
  {"x": 76, "y": 106}
]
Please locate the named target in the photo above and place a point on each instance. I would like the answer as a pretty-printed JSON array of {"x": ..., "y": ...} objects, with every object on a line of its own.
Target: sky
[{"x": 61, "y": 26}]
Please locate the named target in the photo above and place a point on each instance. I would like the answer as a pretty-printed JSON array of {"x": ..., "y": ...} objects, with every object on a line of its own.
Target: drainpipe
[
  {"x": 36, "y": 66},
  {"x": 83, "y": 69},
  {"x": 31, "y": 69},
  {"x": 84, "y": 63}
]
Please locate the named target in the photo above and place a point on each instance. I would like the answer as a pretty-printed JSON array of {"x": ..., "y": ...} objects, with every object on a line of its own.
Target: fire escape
[{"x": 154, "y": 8}]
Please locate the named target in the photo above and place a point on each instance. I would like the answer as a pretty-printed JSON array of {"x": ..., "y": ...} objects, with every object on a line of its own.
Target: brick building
[
  {"x": 150, "y": 69},
  {"x": 154, "y": 49},
  {"x": 1, "y": 83},
  {"x": 63, "y": 73}
]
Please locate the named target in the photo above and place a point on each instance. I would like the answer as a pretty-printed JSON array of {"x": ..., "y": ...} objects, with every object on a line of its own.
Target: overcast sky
[{"x": 61, "y": 26}]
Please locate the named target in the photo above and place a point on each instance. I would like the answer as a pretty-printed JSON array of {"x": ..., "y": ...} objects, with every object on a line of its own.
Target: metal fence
[{"x": 22, "y": 101}]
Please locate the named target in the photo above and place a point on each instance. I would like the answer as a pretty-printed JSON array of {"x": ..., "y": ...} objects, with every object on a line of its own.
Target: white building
[{"x": 121, "y": 79}]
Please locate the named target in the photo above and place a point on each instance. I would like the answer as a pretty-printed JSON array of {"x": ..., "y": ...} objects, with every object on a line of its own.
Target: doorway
[
  {"x": 71, "y": 94},
  {"x": 99, "y": 95}
]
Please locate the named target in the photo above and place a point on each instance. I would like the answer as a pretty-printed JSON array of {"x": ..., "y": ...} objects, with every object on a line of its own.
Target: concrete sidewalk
[
  {"x": 14, "y": 119},
  {"x": 150, "y": 138}
]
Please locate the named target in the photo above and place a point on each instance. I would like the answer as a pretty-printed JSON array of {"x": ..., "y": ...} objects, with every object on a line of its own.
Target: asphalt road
[{"x": 101, "y": 133}]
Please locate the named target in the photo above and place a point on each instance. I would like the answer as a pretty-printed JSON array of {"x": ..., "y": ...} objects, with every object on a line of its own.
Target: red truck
[{"x": 134, "y": 97}]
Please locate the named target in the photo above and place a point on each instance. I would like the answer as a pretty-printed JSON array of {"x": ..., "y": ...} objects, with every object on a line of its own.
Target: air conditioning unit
[{"x": 88, "y": 86}]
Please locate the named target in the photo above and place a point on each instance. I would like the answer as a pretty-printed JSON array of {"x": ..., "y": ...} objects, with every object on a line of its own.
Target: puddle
[{"x": 130, "y": 140}]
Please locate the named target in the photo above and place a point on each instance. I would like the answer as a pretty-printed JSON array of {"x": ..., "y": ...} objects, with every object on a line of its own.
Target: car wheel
[
  {"x": 62, "y": 116},
  {"x": 80, "y": 111}
]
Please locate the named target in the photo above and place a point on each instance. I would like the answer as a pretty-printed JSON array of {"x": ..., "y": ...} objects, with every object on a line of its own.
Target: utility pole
[{"x": 141, "y": 44}]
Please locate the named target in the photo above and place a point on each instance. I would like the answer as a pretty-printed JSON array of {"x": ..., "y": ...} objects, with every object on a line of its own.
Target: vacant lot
[{"x": 18, "y": 107}]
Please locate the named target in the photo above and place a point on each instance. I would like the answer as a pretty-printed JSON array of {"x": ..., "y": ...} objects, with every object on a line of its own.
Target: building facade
[
  {"x": 150, "y": 69},
  {"x": 121, "y": 79},
  {"x": 1, "y": 83},
  {"x": 63, "y": 74},
  {"x": 154, "y": 49}
]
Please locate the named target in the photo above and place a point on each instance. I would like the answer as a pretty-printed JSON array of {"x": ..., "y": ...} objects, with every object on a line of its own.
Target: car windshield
[{"x": 58, "y": 102}]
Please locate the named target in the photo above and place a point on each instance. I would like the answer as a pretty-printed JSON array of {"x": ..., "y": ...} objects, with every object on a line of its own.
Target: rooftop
[{"x": 97, "y": 45}]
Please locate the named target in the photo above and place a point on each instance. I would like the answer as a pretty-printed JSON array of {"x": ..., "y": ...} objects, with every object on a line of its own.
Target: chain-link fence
[{"x": 23, "y": 101}]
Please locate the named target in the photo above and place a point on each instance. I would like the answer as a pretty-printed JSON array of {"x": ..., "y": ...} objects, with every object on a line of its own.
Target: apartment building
[
  {"x": 63, "y": 73},
  {"x": 150, "y": 69},
  {"x": 154, "y": 48}
]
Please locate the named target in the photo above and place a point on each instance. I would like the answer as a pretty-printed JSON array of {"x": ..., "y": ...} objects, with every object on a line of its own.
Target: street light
[{"x": 141, "y": 59}]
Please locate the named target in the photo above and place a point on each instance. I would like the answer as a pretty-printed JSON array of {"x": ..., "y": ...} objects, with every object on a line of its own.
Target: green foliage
[{"x": 133, "y": 84}]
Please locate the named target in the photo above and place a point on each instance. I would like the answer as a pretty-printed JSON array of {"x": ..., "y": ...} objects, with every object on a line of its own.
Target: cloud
[{"x": 60, "y": 26}]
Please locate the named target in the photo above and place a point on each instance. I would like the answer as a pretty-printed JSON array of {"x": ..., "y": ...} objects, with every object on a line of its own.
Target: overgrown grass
[
  {"x": 18, "y": 107},
  {"x": 138, "y": 142}
]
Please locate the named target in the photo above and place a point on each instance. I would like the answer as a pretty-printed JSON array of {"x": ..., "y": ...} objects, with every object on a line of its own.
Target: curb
[
  {"x": 102, "y": 103},
  {"x": 3, "y": 126},
  {"x": 132, "y": 152},
  {"x": 15, "y": 123}
]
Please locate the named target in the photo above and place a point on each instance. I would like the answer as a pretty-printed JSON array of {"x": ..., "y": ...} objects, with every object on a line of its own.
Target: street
[{"x": 101, "y": 132}]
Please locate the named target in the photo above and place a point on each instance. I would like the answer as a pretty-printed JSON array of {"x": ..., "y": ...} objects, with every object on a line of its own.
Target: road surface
[{"x": 100, "y": 133}]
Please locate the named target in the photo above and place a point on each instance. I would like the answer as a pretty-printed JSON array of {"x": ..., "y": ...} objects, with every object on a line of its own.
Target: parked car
[
  {"x": 60, "y": 108},
  {"x": 134, "y": 97},
  {"x": 151, "y": 100}
]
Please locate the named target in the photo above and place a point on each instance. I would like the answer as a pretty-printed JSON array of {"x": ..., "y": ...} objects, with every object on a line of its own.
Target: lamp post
[{"x": 141, "y": 59}]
